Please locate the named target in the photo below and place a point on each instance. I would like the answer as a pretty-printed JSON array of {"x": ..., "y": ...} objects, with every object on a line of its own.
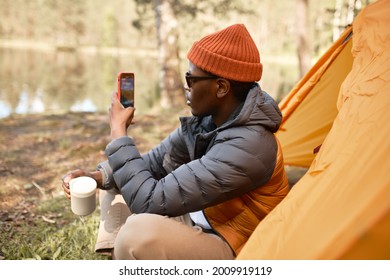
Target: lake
[
  {"x": 34, "y": 81},
  {"x": 54, "y": 82}
]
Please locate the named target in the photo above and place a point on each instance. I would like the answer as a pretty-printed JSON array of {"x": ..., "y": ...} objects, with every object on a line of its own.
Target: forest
[{"x": 297, "y": 31}]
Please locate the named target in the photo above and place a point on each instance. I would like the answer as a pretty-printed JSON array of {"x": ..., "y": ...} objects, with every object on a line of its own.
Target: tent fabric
[
  {"x": 315, "y": 95},
  {"x": 340, "y": 209}
]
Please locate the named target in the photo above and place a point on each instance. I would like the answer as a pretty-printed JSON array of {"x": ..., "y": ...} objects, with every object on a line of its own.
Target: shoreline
[{"x": 24, "y": 44}]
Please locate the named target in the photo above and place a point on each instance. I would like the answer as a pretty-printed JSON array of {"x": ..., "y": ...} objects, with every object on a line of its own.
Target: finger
[
  {"x": 114, "y": 96},
  {"x": 65, "y": 186},
  {"x": 130, "y": 116},
  {"x": 115, "y": 101},
  {"x": 65, "y": 183},
  {"x": 71, "y": 175},
  {"x": 130, "y": 111},
  {"x": 66, "y": 189}
]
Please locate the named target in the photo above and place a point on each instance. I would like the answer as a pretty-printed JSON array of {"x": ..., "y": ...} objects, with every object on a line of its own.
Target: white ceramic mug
[{"x": 82, "y": 195}]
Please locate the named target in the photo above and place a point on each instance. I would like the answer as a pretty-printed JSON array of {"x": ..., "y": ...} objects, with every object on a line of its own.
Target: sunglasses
[{"x": 190, "y": 79}]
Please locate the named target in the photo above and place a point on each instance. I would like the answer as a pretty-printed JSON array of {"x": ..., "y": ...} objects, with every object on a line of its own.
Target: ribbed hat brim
[{"x": 230, "y": 53}]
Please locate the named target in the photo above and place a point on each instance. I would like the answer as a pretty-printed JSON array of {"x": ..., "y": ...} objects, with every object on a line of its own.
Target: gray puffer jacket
[{"x": 198, "y": 165}]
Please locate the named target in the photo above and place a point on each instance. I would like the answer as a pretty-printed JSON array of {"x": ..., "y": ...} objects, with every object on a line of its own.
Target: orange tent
[
  {"x": 340, "y": 209},
  {"x": 315, "y": 96}
]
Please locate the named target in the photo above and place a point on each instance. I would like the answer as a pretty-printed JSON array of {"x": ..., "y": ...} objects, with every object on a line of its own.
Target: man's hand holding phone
[
  {"x": 120, "y": 117},
  {"x": 122, "y": 105}
]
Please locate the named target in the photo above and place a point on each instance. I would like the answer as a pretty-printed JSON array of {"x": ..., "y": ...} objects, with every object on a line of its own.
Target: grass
[
  {"x": 54, "y": 234},
  {"x": 35, "y": 152}
]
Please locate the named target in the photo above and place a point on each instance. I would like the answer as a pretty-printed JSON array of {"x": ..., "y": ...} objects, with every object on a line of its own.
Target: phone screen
[{"x": 126, "y": 89}]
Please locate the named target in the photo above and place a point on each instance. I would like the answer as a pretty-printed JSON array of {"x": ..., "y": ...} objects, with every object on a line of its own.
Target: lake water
[{"x": 57, "y": 82}]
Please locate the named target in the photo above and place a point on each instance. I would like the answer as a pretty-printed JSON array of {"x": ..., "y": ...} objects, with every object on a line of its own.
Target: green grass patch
[{"x": 52, "y": 232}]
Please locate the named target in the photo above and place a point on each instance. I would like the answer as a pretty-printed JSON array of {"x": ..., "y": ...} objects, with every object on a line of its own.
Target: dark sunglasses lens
[{"x": 188, "y": 80}]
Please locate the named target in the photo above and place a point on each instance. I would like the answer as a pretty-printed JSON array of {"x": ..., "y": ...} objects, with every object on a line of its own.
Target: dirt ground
[{"x": 37, "y": 150}]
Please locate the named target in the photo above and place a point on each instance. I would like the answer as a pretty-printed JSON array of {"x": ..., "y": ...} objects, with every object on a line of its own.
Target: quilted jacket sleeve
[{"x": 170, "y": 185}]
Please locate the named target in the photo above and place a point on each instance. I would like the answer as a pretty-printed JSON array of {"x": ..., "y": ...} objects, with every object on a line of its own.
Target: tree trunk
[
  {"x": 337, "y": 19},
  {"x": 171, "y": 85},
  {"x": 344, "y": 13},
  {"x": 302, "y": 36}
]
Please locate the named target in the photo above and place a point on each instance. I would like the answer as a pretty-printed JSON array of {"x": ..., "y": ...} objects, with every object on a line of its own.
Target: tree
[
  {"x": 171, "y": 86},
  {"x": 344, "y": 13},
  {"x": 166, "y": 13},
  {"x": 303, "y": 48}
]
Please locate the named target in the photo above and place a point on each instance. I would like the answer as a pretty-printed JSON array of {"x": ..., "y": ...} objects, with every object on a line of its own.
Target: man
[{"x": 202, "y": 191}]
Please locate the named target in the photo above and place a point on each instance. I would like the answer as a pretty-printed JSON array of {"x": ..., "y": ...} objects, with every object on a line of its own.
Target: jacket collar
[{"x": 258, "y": 109}]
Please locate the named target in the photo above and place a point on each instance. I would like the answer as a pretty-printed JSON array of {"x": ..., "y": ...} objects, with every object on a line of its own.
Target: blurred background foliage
[
  {"x": 291, "y": 32},
  {"x": 131, "y": 23}
]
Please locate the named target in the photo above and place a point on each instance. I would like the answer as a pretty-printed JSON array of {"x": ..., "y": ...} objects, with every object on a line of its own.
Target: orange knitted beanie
[{"x": 229, "y": 53}]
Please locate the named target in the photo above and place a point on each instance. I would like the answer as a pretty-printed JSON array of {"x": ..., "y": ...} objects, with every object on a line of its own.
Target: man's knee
[{"x": 138, "y": 238}]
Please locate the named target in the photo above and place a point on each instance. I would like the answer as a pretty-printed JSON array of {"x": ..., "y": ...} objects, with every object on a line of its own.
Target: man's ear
[{"x": 223, "y": 87}]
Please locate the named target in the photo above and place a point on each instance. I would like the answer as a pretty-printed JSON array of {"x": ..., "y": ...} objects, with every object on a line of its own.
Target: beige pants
[{"x": 152, "y": 237}]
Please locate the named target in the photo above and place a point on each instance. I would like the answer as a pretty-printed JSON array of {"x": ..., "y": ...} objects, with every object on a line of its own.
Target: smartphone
[{"x": 126, "y": 89}]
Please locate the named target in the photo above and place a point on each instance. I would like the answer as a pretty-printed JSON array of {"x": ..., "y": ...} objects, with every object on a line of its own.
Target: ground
[{"x": 37, "y": 150}]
